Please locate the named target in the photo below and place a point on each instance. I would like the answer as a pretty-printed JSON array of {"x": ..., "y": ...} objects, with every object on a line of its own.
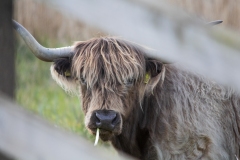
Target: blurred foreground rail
[
  {"x": 26, "y": 136},
  {"x": 172, "y": 35}
]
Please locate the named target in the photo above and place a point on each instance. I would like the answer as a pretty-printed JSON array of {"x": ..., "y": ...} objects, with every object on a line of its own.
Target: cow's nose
[{"x": 107, "y": 119}]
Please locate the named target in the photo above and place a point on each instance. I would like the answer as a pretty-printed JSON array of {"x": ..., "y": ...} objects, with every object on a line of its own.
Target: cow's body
[
  {"x": 174, "y": 115},
  {"x": 187, "y": 117}
]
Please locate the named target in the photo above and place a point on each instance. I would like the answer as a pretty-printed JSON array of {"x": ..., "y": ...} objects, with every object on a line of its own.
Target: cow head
[{"x": 112, "y": 76}]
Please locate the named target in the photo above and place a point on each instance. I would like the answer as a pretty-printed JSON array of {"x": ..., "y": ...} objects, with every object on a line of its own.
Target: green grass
[{"x": 37, "y": 92}]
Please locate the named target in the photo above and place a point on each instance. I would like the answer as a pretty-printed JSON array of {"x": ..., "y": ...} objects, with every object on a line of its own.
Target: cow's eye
[
  {"x": 129, "y": 81},
  {"x": 83, "y": 80}
]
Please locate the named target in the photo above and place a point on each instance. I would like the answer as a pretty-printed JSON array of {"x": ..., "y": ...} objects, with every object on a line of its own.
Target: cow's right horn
[
  {"x": 45, "y": 54},
  {"x": 213, "y": 23}
]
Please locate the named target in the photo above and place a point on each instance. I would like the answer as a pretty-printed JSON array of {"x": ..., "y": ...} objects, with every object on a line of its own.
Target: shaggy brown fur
[{"x": 175, "y": 115}]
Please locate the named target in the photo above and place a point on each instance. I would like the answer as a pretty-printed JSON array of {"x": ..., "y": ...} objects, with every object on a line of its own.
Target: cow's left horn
[
  {"x": 213, "y": 23},
  {"x": 45, "y": 54}
]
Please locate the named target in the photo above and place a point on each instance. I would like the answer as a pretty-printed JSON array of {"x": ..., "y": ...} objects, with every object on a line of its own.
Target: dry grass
[
  {"x": 46, "y": 22},
  {"x": 226, "y": 10}
]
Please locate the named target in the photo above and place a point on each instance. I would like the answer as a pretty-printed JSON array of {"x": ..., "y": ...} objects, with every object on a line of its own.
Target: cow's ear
[
  {"x": 155, "y": 74},
  {"x": 61, "y": 73},
  {"x": 63, "y": 67}
]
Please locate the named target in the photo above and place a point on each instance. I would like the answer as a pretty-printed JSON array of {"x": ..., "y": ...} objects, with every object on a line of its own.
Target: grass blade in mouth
[{"x": 97, "y": 137}]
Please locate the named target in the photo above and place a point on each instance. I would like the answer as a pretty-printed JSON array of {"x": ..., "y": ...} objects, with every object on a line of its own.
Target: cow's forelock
[
  {"x": 107, "y": 59},
  {"x": 108, "y": 64}
]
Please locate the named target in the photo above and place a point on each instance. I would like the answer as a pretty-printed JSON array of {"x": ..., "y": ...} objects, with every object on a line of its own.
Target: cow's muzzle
[{"x": 105, "y": 119}]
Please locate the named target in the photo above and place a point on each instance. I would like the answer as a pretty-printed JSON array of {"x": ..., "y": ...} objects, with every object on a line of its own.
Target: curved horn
[
  {"x": 213, "y": 23},
  {"x": 45, "y": 54}
]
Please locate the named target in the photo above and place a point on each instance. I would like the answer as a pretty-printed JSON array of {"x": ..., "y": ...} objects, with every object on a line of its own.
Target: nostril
[
  {"x": 114, "y": 121},
  {"x": 98, "y": 121}
]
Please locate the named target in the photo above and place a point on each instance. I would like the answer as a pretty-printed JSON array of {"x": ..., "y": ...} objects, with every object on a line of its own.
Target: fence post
[
  {"x": 7, "y": 73},
  {"x": 7, "y": 67}
]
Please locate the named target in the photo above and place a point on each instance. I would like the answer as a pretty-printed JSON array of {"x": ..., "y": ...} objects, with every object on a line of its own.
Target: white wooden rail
[
  {"x": 25, "y": 136},
  {"x": 174, "y": 35}
]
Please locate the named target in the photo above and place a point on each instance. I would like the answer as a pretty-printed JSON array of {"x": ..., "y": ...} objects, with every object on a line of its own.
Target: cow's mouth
[
  {"x": 109, "y": 123},
  {"x": 106, "y": 135}
]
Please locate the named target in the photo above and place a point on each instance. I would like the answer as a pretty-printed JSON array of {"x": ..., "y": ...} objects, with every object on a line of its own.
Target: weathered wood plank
[
  {"x": 7, "y": 59},
  {"x": 28, "y": 137},
  {"x": 174, "y": 35}
]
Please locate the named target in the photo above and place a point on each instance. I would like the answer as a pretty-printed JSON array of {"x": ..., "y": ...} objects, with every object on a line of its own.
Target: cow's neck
[{"x": 135, "y": 139}]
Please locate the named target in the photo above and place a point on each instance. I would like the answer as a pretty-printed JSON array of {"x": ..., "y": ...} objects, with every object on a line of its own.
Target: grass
[
  {"x": 40, "y": 18},
  {"x": 37, "y": 92}
]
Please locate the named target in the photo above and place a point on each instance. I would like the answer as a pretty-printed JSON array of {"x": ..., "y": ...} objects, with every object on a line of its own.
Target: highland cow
[{"x": 144, "y": 106}]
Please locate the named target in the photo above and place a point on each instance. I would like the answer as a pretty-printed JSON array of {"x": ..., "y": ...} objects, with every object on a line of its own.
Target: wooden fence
[
  {"x": 172, "y": 35},
  {"x": 28, "y": 137}
]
